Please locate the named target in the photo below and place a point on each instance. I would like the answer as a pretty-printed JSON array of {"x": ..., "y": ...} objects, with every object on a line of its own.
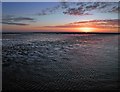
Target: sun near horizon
[{"x": 86, "y": 29}]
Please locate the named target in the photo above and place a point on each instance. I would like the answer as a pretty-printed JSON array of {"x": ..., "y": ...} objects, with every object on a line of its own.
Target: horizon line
[{"x": 67, "y": 32}]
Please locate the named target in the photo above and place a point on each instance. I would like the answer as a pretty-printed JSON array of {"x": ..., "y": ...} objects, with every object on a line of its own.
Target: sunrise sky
[{"x": 60, "y": 17}]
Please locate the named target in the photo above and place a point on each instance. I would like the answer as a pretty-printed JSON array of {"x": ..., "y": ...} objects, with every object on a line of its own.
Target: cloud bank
[
  {"x": 110, "y": 23},
  {"x": 81, "y": 8}
]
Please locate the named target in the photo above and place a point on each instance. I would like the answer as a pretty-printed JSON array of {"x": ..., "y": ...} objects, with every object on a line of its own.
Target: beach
[{"x": 37, "y": 61}]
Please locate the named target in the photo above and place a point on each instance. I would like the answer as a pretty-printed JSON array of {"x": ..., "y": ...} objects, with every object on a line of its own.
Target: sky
[{"x": 60, "y": 17}]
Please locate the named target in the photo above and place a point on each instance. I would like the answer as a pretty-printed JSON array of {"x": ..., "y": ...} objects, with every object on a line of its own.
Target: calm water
[{"x": 60, "y": 61}]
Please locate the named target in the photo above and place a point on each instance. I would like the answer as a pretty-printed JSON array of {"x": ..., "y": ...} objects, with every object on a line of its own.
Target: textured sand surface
[{"x": 60, "y": 62}]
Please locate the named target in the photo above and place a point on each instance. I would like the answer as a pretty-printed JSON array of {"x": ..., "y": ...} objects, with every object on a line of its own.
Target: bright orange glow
[
  {"x": 30, "y": 28},
  {"x": 87, "y": 29}
]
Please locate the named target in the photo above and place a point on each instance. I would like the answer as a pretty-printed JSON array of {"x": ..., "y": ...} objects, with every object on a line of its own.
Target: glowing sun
[{"x": 86, "y": 29}]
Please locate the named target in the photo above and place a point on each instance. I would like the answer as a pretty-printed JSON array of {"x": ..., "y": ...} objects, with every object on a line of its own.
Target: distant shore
[{"x": 57, "y": 33}]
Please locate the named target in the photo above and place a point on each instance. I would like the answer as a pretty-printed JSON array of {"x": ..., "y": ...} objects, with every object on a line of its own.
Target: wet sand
[{"x": 60, "y": 62}]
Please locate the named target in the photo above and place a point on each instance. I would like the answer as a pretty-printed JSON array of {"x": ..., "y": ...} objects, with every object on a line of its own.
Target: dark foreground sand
[{"x": 60, "y": 62}]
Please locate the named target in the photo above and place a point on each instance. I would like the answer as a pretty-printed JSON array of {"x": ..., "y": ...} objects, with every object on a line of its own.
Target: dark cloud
[
  {"x": 23, "y": 19},
  {"x": 11, "y": 23},
  {"x": 81, "y": 8},
  {"x": 60, "y": 26},
  {"x": 74, "y": 11},
  {"x": 98, "y": 21},
  {"x": 84, "y": 7},
  {"x": 12, "y": 20},
  {"x": 91, "y": 6},
  {"x": 108, "y": 7},
  {"x": 49, "y": 11}
]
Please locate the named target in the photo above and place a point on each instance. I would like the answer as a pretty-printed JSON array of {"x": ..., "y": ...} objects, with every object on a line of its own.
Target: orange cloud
[
  {"x": 110, "y": 25},
  {"x": 91, "y": 26}
]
